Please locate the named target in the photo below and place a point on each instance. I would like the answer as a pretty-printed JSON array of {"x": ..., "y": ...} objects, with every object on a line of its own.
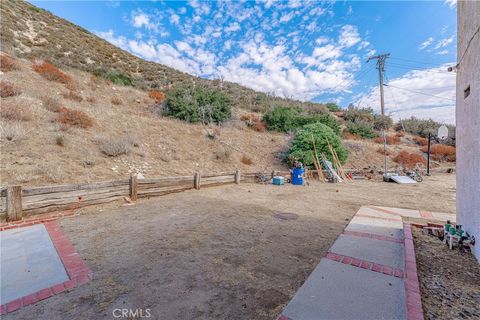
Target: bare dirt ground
[
  {"x": 218, "y": 253},
  {"x": 449, "y": 280}
]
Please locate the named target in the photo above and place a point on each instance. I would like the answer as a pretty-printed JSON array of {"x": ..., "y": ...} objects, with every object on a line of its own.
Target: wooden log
[
  {"x": 161, "y": 191},
  {"x": 73, "y": 187},
  {"x": 165, "y": 180},
  {"x": 133, "y": 187},
  {"x": 144, "y": 186},
  {"x": 237, "y": 177},
  {"x": 14, "y": 203},
  {"x": 196, "y": 181}
]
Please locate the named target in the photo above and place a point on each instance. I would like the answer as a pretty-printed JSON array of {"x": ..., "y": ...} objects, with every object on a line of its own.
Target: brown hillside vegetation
[{"x": 31, "y": 32}]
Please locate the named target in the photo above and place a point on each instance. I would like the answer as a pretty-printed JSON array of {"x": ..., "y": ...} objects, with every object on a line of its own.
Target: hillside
[{"x": 30, "y": 32}]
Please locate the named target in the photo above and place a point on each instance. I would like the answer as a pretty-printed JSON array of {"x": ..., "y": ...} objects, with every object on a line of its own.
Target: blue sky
[{"x": 315, "y": 50}]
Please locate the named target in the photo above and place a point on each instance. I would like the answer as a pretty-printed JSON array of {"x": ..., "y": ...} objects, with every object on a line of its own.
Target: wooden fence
[{"x": 17, "y": 201}]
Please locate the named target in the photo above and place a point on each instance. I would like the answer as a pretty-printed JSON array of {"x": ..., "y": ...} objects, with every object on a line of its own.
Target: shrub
[
  {"x": 422, "y": 127},
  {"x": 332, "y": 107},
  {"x": 420, "y": 141},
  {"x": 409, "y": 160},
  {"x": 116, "y": 146},
  {"x": 157, "y": 95},
  {"x": 197, "y": 104},
  {"x": 361, "y": 129},
  {"x": 441, "y": 152},
  {"x": 381, "y": 151},
  {"x": 13, "y": 131},
  {"x": 7, "y": 89},
  {"x": 15, "y": 112},
  {"x": 74, "y": 118},
  {"x": 223, "y": 154},
  {"x": 246, "y": 160},
  {"x": 253, "y": 121},
  {"x": 72, "y": 95},
  {"x": 302, "y": 146},
  {"x": 286, "y": 119},
  {"x": 315, "y": 109},
  {"x": 8, "y": 63},
  {"x": 382, "y": 122},
  {"x": 390, "y": 139},
  {"x": 60, "y": 140},
  {"x": 116, "y": 101},
  {"x": 259, "y": 126},
  {"x": 116, "y": 77},
  {"x": 51, "y": 103},
  {"x": 359, "y": 115},
  {"x": 51, "y": 73}
]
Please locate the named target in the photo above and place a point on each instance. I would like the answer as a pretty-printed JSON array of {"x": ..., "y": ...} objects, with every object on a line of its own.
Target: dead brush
[
  {"x": 8, "y": 63},
  {"x": 52, "y": 104},
  {"x": 74, "y": 118},
  {"x": 15, "y": 111},
  {"x": 8, "y": 89},
  {"x": 400, "y": 134},
  {"x": 381, "y": 151},
  {"x": 13, "y": 131},
  {"x": 116, "y": 101},
  {"x": 441, "y": 152},
  {"x": 72, "y": 95},
  {"x": 223, "y": 154},
  {"x": 116, "y": 146},
  {"x": 253, "y": 121},
  {"x": 409, "y": 160},
  {"x": 156, "y": 95},
  {"x": 51, "y": 73},
  {"x": 246, "y": 160},
  {"x": 390, "y": 140},
  {"x": 420, "y": 140}
]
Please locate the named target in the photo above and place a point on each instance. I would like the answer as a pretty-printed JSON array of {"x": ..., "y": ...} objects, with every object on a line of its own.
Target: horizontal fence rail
[{"x": 18, "y": 201}]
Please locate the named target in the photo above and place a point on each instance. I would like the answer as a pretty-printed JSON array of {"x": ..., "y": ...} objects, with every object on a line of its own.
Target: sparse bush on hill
[
  {"x": 253, "y": 121},
  {"x": 8, "y": 89},
  {"x": 312, "y": 109},
  {"x": 441, "y": 152},
  {"x": 8, "y": 63},
  {"x": 116, "y": 146},
  {"x": 223, "y": 154},
  {"x": 52, "y": 104},
  {"x": 72, "y": 95},
  {"x": 390, "y": 139},
  {"x": 362, "y": 129},
  {"x": 15, "y": 111},
  {"x": 332, "y": 107},
  {"x": 114, "y": 76},
  {"x": 74, "y": 118},
  {"x": 197, "y": 104},
  {"x": 156, "y": 95},
  {"x": 246, "y": 160},
  {"x": 302, "y": 145},
  {"x": 287, "y": 119},
  {"x": 422, "y": 127},
  {"x": 12, "y": 131},
  {"x": 382, "y": 122},
  {"x": 359, "y": 115},
  {"x": 51, "y": 73},
  {"x": 420, "y": 141},
  {"x": 116, "y": 101},
  {"x": 409, "y": 160}
]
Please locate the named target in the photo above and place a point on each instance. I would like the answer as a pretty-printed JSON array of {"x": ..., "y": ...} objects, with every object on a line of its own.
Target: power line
[
  {"x": 414, "y": 61},
  {"x": 414, "y": 91},
  {"x": 413, "y": 68}
]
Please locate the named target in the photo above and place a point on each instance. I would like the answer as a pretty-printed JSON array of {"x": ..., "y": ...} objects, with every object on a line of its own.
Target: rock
[{"x": 140, "y": 176}]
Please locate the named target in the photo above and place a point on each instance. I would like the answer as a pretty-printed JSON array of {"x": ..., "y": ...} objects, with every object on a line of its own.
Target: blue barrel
[{"x": 297, "y": 176}]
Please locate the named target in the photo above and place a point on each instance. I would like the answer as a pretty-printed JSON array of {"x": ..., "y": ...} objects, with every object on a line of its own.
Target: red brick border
[
  {"x": 364, "y": 264},
  {"x": 372, "y": 236},
  {"x": 376, "y": 217},
  {"x": 36, "y": 219},
  {"x": 412, "y": 287},
  {"x": 78, "y": 272},
  {"x": 386, "y": 211}
]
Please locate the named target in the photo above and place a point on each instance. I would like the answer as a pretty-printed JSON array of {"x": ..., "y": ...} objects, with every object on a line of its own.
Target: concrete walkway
[{"x": 368, "y": 273}]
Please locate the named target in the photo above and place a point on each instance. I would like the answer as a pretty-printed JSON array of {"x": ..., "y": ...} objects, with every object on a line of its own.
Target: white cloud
[
  {"x": 436, "y": 101},
  {"x": 349, "y": 36},
  {"x": 426, "y": 43},
  {"x": 451, "y": 3},
  {"x": 234, "y": 26},
  {"x": 141, "y": 19},
  {"x": 444, "y": 42},
  {"x": 443, "y": 52},
  {"x": 174, "y": 18},
  {"x": 287, "y": 17}
]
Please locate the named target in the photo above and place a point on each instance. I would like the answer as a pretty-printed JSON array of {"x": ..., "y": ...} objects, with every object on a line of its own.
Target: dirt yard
[{"x": 218, "y": 253}]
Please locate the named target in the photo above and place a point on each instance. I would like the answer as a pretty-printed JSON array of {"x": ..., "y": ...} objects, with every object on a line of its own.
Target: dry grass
[
  {"x": 13, "y": 131},
  {"x": 73, "y": 95},
  {"x": 246, "y": 160},
  {"x": 349, "y": 136},
  {"x": 51, "y": 73},
  {"x": 52, "y": 104},
  {"x": 74, "y": 118},
  {"x": 420, "y": 140},
  {"x": 441, "y": 152},
  {"x": 8, "y": 63},
  {"x": 116, "y": 146},
  {"x": 50, "y": 173},
  {"x": 400, "y": 134},
  {"x": 15, "y": 111},
  {"x": 8, "y": 89},
  {"x": 223, "y": 154},
  {"x": 381, "y": 151},
  {"x": 157, "y": 95},
  {"x": 116, "y": 101},
  {"x": 390, "y": 140},
  {"x": 409, "y": 160},
  {"x": 254, "y": 122}
]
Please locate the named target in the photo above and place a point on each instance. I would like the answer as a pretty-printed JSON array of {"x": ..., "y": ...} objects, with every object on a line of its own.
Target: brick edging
[
  {"x": 78, "y": 272},
  {"x": 364, "y": 264},
  {"x": 412, "y": 286},
  {"x": 372, "y": 236},
  {"x": 37, "y": 219}
]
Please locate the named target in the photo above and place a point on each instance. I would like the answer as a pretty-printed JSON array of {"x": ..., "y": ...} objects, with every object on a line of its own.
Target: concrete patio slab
[
  {"x": 376, "y": 226},
  {"x": 29, "y": 262},
  {"x": 378, "y": 251},
  {"x": 338, "y": 291},
  {"x": 400, "y": 211}
]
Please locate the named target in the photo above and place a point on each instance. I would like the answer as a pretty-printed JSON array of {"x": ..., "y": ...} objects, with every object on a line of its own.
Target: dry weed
[
  {"x": 116, "y": 101},
  {"x": 409, "y": 160},
  {"x": 223, "y": 154},
  {"x": 73, "y": 95},
  {"x": 8, "y": 63},
  {"x": 50, "y": 173},
  {"x": 420, "y": 140},
  {"x": 8, "y": 89},
  {"x": 15, "y": 111},
  {"x": 74, "y": 118},
  {"x": 157, "y": 95},
  {"x": 390, "y": 140},
  {"x": 13, "y": 131},
  {"x": 246, "y": 160},
  {"x": 441, "y": 152},
  {"x": 51, "y": 73},
  {"x": 116, "y": 146},
  {"x": 51, "y": 103}
]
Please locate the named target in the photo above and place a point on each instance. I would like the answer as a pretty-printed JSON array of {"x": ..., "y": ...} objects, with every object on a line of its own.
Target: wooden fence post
[
  {"x": 237, "y": 176},
  {"x": 14, "y": 203},
  {"x": 196, "y": 181},
  {"x": 133, "y": 187}
]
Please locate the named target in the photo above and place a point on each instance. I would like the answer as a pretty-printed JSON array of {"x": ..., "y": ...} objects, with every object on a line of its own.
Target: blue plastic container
[
  {"x": 277, "y": 180},
  {"x": 297, "y": 176}
]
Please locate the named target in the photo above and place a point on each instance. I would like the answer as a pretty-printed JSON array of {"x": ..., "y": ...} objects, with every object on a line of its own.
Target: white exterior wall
[{"x": 468, "y": 119}]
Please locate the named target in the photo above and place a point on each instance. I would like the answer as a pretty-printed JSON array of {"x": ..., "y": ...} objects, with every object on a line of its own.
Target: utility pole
[{"x": 381, "y": 58}]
